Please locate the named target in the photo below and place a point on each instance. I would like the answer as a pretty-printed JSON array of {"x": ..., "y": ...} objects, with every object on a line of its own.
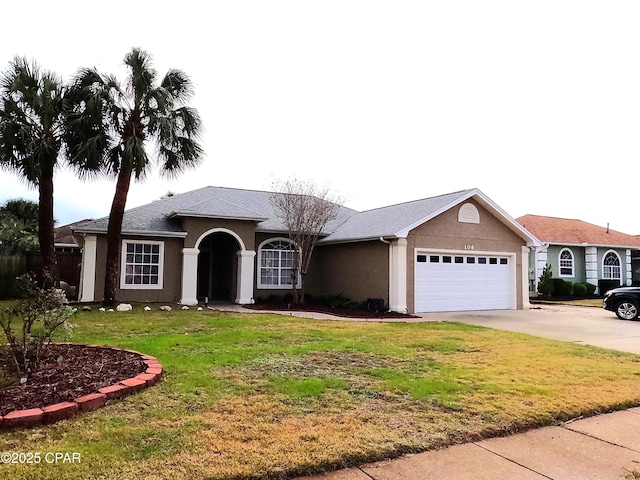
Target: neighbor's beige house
[{"x": 452, "y": 252}]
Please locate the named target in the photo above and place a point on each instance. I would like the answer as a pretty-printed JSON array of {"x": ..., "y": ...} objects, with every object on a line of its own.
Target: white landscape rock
[
  {"x": 199, "y": 309},
  {"x": 186, "y": 307},
  {"x": 124, "y": 307},
  {"x": 165, "y": 308},
  {"x": 102, "y": 309},
  {"x": 147, "y": 308}
]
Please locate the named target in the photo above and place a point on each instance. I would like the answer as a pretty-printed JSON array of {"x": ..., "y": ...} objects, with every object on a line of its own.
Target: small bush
[
  {"x": 339, "y": 301},
  {"x": 568, "y": 288},
  {"x": 274, "y": 298},
  {"x": 558, "y": 286},
  {"x": 545, "y": 285},
  {"x": 579, "y": 290},
  {"x": 29, "y": 326},
  {"x": 591, "y": 288}
]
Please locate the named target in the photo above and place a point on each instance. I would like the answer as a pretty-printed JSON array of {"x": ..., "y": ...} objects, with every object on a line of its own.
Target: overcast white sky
[{"x": 537, "y": 104}]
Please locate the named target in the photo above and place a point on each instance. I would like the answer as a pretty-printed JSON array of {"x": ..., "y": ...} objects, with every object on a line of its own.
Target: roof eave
[
  {"x": 179, "y": 214},
  {"x": 602, "y": 245},
  {"x": 140, "y": 233},
  {"x": 354, "y": 240}
]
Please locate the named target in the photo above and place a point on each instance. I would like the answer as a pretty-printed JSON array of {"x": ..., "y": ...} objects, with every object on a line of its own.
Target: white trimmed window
[
  {"x": 142, "y": 264},
  {"x": 276, "y": 258},
  {"x": 611, "y": 266},
  {"x": 565, "y": 260}
]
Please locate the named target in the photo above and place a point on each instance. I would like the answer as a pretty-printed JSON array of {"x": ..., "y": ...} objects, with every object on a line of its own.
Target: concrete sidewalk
[{"x": 600, "y": 448}]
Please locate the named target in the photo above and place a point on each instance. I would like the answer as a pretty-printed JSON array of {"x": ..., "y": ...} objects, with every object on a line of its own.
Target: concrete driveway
[{"x": 588, "y": 325}]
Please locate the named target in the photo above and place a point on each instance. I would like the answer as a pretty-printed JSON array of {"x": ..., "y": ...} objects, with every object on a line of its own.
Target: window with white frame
[
  {"x": 276, "y": 259},
  {"x": 142, "y": 264},
  {"x": 565, "y": 261},
  {"x": 611, "y": 266}
]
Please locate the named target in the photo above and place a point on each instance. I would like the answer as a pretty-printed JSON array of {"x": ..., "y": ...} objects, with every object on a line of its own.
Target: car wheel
[{"x": 627, "y": 310}]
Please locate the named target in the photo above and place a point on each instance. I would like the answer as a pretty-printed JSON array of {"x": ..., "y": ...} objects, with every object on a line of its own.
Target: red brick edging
[{"x": 86, "y": 403}]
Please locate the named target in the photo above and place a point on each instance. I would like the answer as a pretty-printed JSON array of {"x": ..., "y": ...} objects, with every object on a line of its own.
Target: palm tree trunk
[
  {"x": 114, "y": 235},
  {"x": 46, "y": 226}
]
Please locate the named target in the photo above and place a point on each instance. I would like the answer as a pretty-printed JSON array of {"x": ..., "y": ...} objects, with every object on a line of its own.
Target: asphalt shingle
[{"x": 575, "y": 232}]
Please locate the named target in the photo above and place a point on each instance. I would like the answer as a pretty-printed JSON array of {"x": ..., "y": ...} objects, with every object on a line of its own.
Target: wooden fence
[{"x": 12, "y": 266}]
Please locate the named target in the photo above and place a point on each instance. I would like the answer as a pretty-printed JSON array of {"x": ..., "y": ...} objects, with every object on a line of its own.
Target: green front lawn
[{"x": 270, "y": 396}]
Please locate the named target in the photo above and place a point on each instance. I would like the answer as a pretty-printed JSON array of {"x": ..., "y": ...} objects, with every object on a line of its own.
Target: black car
[{"x": 624, "y": 301}]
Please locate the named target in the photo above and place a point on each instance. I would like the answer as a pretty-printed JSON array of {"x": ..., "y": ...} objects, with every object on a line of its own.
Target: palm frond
[
  {"x": 181, "y": 155},
  {"x": 32, "y": 102},
  {"x": 142, "y": 74},
  {"x": 179, "y": 85}
]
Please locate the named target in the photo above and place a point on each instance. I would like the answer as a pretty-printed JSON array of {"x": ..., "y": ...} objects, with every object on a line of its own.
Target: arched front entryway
[{"x": 217, "y": 268}]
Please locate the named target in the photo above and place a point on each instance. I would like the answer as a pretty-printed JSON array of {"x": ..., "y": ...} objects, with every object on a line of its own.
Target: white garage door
[{"x": 454, "y": 282}]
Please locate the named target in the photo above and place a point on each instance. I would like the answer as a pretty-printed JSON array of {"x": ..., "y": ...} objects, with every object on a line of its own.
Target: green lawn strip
[{"x": 257, "y": 396}]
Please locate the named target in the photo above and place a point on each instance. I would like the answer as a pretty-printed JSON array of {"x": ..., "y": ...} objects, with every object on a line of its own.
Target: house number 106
[{"x": 469, "y": 247}]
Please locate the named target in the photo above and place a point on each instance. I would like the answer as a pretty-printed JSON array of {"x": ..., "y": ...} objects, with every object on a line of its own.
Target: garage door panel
[{"x": 470, "y": 285}]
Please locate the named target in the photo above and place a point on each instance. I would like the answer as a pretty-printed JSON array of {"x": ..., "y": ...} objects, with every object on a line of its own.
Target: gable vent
[{"x": 468, "y": 213}]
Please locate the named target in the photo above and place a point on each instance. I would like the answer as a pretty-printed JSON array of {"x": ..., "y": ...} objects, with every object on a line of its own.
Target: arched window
[
  {"x": 611, "y": 266},
  {"x": 565, "y": 260},
  {"x": 276, "y": 257}
]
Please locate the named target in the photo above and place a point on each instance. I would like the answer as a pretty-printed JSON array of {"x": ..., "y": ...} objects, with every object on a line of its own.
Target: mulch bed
[
  {"x": 68, "y": 372},
  {"x": 340, "y": 312}
]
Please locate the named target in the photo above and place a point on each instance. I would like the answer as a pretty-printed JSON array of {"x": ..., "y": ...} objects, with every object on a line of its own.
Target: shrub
[
  {"x": 29, "y": 326},
  {"x": 338, "y": 301},
  {"x": 591, "y": 288},
  {"x": 567, "y": 288},
  {"x": 580, "y": 289},
  {"x": 273, "y": 298},
  {"x": 545, "y": 285},
  {"x": 558, "y": 286},
  {"x": 605, "y": 284}
]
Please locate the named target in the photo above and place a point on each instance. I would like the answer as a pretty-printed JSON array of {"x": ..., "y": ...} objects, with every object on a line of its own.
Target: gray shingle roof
[
  {"x": 393, "y": 220},
  {"x": 162, "y": 217}
]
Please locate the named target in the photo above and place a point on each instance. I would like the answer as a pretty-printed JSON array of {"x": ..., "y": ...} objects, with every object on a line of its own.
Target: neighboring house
[
  {"x": 452, "y": 252},
  {"x": 63, "y": 238},
  {"x": 582, "y": 252}
]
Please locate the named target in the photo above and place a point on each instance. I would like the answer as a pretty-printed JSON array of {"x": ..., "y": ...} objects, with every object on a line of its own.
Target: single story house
[
  {"x": 458, "y": 251},
  {"x": 582, "y": 252}
]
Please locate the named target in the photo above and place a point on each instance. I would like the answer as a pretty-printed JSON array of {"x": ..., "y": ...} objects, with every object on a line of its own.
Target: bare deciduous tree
[{"x": 305, "y": 209}]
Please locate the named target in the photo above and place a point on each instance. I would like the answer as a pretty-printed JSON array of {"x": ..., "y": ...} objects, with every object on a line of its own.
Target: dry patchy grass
[{"x": 263, "y": 396}]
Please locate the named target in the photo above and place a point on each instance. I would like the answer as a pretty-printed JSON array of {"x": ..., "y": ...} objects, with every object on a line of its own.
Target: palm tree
[
  {"x": 18, "y": 227},
  {"x": 109, "y": 126},
  {"x": 17, "y": 236},
  {"x": 31, "y": 130}
]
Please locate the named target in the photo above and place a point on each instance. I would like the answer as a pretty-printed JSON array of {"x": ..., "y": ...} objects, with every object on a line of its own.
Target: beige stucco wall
[
  {"x": 172, "y": 273},
  {"x": 445, "y": 232},
  {"x": 197, "y": 226},
  {"x": 356, "y": 270}
]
